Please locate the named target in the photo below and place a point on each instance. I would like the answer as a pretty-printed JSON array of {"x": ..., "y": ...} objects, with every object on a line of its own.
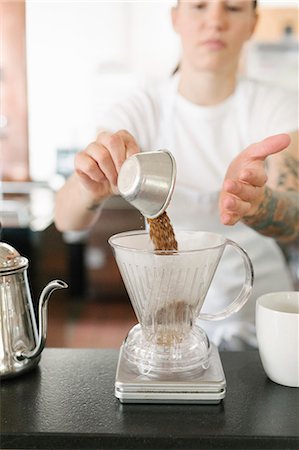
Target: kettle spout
[{"x": 42, "y": 320}]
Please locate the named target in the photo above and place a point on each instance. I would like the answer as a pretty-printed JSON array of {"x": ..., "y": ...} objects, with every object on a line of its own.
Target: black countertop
[{"x": 68, "y": 402}]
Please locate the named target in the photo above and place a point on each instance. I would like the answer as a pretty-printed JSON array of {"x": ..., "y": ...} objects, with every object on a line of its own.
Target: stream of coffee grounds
[
  {"x": 172, "y": 321},
  {"x": 162, "y": 233}
]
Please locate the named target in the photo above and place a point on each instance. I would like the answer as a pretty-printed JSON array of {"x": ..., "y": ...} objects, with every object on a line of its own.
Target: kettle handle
[{"x": 42, "y": 320}]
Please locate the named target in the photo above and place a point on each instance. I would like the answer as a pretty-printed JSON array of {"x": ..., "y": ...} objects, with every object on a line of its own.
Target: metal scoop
[{"x": 146, "y": 180}]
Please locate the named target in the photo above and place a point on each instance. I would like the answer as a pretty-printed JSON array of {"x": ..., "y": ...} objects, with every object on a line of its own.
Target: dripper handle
[{"x": 245, "y": 292}]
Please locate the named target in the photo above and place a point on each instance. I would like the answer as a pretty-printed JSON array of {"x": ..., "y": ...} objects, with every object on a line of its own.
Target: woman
[{"x": 209, "y": 119}]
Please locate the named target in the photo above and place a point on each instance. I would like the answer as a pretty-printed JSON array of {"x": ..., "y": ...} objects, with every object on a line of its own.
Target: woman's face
[{"x": 213, "y": 32}]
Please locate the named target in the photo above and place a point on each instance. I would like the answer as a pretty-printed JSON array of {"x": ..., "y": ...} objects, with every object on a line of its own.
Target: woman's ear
[
  {"x": 254, "y": 24},
  {"x": 174, "y": 17}
]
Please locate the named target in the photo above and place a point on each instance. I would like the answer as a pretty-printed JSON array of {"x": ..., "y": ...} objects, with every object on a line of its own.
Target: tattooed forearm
[
  {"x": 277, "y": 216},
  {"x": 288, "y": 178}
]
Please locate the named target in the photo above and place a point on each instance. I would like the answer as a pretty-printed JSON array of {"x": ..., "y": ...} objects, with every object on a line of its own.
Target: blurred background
[{"x": 61, "y": 64}]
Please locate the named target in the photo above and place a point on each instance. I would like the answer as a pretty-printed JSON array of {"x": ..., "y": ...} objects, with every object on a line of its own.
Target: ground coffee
[
  {"x": 173, "y": 321},
  {"x": 162, "y": 233}
]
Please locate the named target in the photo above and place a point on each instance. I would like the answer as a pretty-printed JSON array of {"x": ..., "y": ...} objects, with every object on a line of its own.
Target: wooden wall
[{"x": 272, "y": 22}]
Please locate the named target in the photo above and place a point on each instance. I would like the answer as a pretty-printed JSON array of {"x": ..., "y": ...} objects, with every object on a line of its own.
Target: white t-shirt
[{"x": 204, "y": 140}]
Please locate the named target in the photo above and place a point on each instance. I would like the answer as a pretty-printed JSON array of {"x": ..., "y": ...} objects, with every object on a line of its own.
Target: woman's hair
[{"x": 254, "y": 3}]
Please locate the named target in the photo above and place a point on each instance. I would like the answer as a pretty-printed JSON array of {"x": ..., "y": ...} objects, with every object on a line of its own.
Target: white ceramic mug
[{"x": 277, "y": 329}]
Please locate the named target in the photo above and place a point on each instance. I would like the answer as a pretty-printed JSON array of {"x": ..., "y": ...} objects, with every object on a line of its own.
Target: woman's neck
[{"x": 206, "y": 88}]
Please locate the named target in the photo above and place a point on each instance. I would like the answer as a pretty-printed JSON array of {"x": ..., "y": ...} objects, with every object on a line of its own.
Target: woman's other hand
[
  {"x": 244, "y": 184},
  {"x": 98, "y": 165}
]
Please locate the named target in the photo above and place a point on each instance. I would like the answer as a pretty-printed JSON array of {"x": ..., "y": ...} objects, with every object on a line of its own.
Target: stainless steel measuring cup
[{"x": 146, "y": 180}]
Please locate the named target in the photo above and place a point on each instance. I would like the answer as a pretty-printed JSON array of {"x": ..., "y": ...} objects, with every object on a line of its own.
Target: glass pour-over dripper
[{"x": 167, "y": 290}]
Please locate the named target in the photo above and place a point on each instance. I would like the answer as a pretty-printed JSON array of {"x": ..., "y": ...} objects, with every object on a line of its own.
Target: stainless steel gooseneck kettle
[{"x": 21, "y": 341}]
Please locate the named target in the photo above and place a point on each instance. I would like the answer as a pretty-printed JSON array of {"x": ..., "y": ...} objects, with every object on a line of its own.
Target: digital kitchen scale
[{"x": 203, "y": 387}]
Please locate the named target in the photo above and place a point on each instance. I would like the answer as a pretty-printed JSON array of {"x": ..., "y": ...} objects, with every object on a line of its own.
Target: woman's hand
[
  {"x": 98, "y": 165},
  {"x": 78, "y": 202},
  {"x": 244, "y": 186}
]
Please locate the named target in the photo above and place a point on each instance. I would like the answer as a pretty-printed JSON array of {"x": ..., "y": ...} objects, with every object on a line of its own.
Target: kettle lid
[{"x": 10, "y": 258}]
